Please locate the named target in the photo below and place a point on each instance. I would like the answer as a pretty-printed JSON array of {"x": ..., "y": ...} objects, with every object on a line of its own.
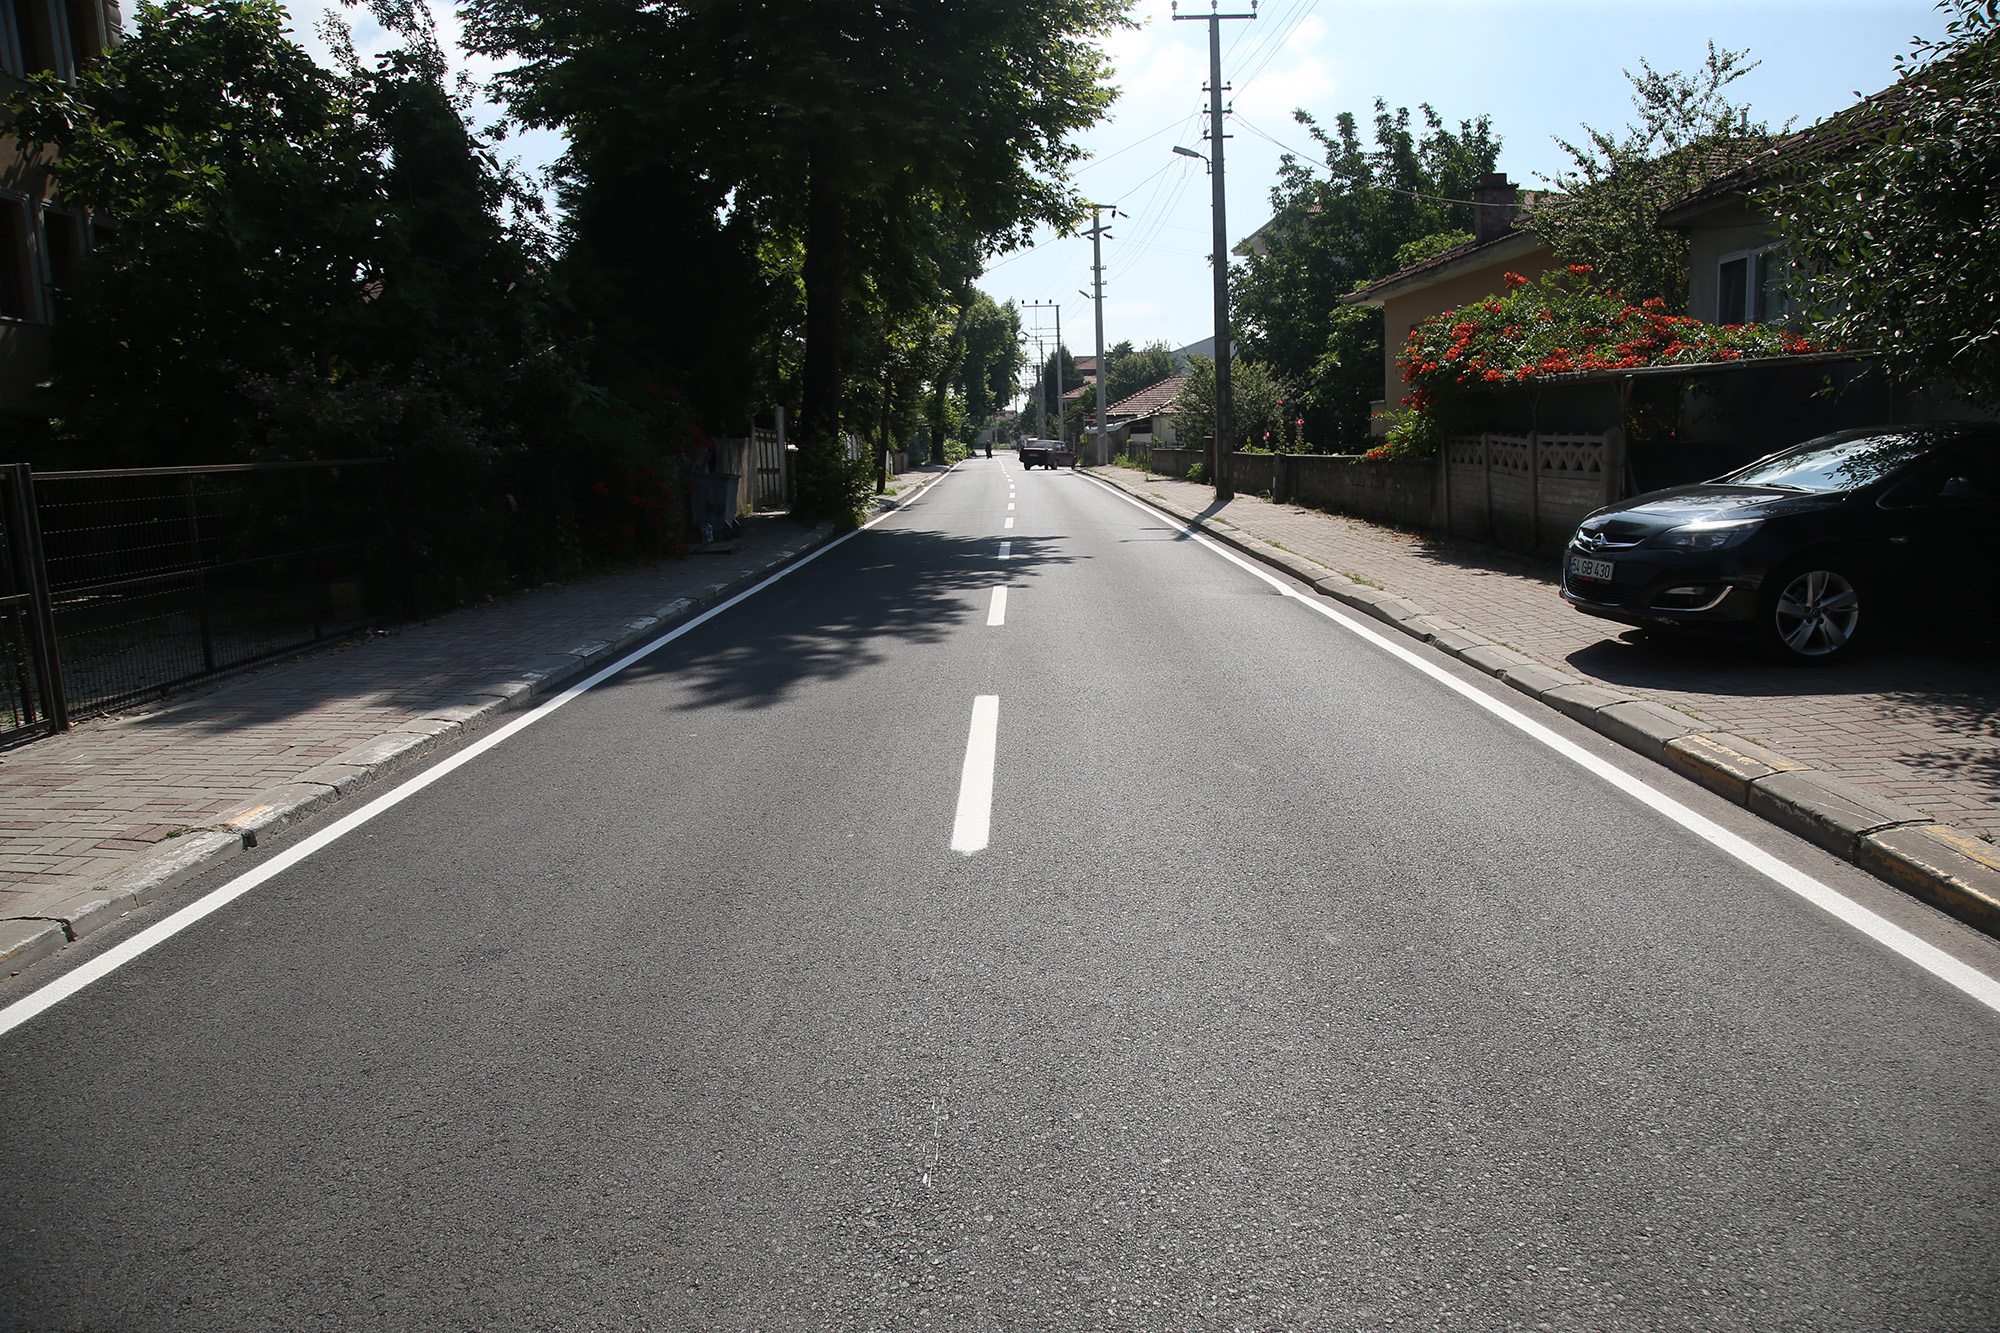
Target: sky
[{"x": 1539, "y": 68}]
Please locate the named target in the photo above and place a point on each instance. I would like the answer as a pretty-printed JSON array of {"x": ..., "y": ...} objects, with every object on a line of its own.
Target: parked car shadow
[{"x": 1922, "y": 677}]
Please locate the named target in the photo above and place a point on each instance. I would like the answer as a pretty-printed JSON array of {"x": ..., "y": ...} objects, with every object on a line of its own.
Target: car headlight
[{"x": 1712, "y": 536}]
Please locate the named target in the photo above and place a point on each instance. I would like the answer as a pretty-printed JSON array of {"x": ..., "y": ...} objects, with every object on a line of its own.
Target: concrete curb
[
  {"x": 85, "y": 907},
  {"x": 1950, "y": 870}
]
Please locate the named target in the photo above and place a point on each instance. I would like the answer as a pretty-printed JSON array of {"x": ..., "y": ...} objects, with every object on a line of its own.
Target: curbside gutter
[
  {"x": 1952, "y": 871},
  {"x": 83, "y": 908}
]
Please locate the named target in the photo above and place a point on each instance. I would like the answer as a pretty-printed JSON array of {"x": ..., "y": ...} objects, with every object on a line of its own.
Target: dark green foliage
[
  {"x": 1259, "y": 399},
  {"x": 891, "y": 144},
  {"x": 992, "y": 358},
  {"x": 1688, "y": 133},
  {"x": 1412, "y": 253},
  {"x": 1327, "y": 237},
  {"x": 1129, "y": 371},
  {"x": 313, "y": 263},
  {"x": 1897, "y": 246}
]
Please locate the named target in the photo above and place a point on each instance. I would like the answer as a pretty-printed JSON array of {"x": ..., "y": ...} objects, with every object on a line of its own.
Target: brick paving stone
[
  {"x": 1919, "y": 724},
  {"x": 79, "y": 805}
]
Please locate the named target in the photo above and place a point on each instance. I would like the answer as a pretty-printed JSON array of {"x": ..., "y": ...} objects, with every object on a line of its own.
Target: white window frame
[{"x": 1756, "y": 272}]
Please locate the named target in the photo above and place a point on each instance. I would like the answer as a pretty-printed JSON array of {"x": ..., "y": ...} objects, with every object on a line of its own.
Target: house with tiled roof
[
  {"x": 1735, "y": 274},
  {"x": 1454, "y": 277},
  {"x": 1146, "y": 417}
]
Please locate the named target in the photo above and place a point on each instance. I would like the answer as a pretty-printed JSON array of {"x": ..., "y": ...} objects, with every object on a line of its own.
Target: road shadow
[{"x": 850, "y": 612}]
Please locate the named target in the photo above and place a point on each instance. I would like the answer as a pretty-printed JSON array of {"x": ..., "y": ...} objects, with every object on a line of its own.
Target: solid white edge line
[
  {"x": 996, "y": 614},
  {"x": 160, "y": 932},
  {"x": 973, "y": 827},
  {"x": 1932, "y": 959}
]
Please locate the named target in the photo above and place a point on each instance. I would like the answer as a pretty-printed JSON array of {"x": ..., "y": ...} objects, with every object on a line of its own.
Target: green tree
[
  {"x": 312, "y": 263},
  {"x": 992, "y": 360},
  {"x": 1129, "y": 371},
  {"x": 248, "y": 193},
  {"x": 877, "y": 135},
  {"x": 1328, "y": 236},
  {"x": 1897, "y": 246},
  {"x": 1688, "y": 133},
  {"x": 1257, "y": 394}
]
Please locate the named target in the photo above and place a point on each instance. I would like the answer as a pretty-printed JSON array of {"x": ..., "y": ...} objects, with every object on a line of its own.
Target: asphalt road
[{"x": 1290, "y": 990}]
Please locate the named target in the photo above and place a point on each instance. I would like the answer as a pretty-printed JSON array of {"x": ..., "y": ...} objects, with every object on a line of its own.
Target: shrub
[{"x": 1558, "y": 325}]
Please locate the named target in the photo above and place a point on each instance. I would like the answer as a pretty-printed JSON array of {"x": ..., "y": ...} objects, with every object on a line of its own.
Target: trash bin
[{"x": 712, "y": 504}]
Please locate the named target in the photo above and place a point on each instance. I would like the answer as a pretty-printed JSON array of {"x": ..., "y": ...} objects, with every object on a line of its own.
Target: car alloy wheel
[{"x": 1814, "y": 615}]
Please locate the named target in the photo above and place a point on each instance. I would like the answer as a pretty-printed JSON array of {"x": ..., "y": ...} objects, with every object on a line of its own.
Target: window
[
  {"x": 62, "y": 249},
  {"x": 59, "y": 35},
  {"x": 80, "y": 21},
  {"x": 1750, "y": 289},
  {"x": 17, "y": 289},
  {"x": 1732, "y": 285}
]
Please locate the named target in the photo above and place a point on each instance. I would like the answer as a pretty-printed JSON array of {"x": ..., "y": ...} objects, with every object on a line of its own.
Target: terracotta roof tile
[{"x": 1148, "y": 401}]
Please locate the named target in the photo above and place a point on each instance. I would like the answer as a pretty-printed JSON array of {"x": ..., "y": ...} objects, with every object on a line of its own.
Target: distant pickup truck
[{"x": 1049, "y": 453}]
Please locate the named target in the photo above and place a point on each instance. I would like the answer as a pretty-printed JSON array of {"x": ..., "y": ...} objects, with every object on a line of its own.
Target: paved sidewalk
[{"x": 1920, "y": 728}]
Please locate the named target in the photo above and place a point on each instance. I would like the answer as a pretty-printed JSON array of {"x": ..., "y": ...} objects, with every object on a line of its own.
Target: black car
[{"x": 1807, "y": 549}]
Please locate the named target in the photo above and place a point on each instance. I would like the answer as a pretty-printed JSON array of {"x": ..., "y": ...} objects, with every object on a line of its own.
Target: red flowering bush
[
  {"x": 1556, "y": 325},
  {"x": 1562, "y": 323}
]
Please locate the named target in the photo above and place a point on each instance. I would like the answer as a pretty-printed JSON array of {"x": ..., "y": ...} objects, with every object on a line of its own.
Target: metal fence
[
  {"x": 31, "y": 696},
  {"x": 154, "y": 577}
]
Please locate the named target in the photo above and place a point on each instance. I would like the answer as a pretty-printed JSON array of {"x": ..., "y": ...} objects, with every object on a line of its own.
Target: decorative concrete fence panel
[{"x": 1528, "y": 491}]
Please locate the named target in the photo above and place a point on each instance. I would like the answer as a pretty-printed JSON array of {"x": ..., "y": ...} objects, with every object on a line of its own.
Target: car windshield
[{"x": 1838, "y": 464}]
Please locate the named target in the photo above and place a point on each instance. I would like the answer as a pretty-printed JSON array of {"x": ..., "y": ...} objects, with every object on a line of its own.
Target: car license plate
[{"x": 1590, "y": 569}]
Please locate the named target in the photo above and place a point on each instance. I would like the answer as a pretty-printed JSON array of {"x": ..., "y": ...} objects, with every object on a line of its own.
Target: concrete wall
[
  {"x": 1397, "y": 493},
  {"x": 1253, "y": 474},
  {"x": 1524, "y": 492}
]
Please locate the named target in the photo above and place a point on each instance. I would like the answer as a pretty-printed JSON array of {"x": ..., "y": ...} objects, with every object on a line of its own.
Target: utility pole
[
  {"x": 1096, "y": 295},
  {"x": 1040, "y": 400},
  {"x": 1225, "y": 408},
  {"x": 1057, "y": 307}
]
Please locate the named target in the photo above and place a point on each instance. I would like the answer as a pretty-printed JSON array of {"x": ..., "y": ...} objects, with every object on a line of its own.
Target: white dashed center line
[
  {"x": 996, "y": 614},
  {"x": 1010, "y": 522},
  {"x": 974, "y": 825},
  {"x": 1006, "y": 549}
]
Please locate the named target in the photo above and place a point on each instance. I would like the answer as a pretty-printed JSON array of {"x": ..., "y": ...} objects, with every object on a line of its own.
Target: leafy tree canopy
[
  {"x": 1897, "y": 246},
  {"x": 1257, "y": 395},
  {"x": 897, "y": 142},
  {"x": 1328, "y": 236},
  {"x": 1130, "y": 371},
  {"x": 1688, "y": 133}
]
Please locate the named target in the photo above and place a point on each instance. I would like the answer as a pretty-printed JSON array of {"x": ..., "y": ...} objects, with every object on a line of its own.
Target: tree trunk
[{"x": 825, "y": 279}]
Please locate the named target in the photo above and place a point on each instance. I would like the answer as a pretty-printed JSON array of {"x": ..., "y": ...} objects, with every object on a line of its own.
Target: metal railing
[
  {"x": 149, "y": 578},
  {"x": 31, "y": 693}
]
